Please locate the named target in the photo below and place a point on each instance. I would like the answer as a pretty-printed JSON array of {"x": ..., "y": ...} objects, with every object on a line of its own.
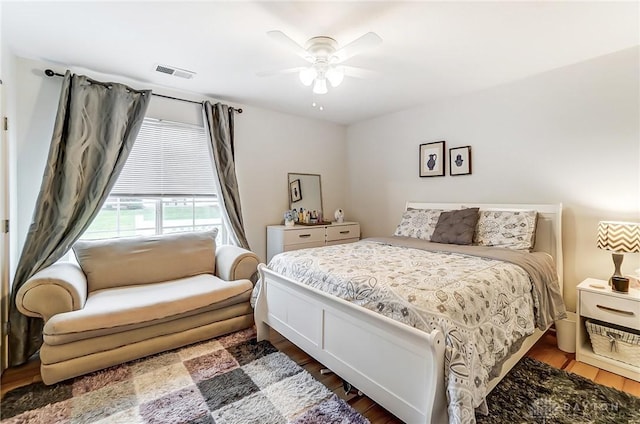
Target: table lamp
[{"x": 618, "y": 238}]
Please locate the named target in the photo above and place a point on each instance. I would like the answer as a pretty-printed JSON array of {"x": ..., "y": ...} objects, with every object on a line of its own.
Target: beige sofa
[{"x": 133, "y": 297}]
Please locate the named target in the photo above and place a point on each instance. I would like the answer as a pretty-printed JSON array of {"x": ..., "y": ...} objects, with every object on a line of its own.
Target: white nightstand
[{"x": 596, "y": 300}]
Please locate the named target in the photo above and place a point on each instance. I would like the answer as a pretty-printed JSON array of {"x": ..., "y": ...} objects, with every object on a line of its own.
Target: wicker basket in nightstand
[{"x": 615, "y": 342}]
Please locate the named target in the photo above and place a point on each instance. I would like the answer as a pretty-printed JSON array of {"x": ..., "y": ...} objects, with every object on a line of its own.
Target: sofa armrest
[
  {"x": 61, "y": 287},
  {"x": 235, "y": 263}
]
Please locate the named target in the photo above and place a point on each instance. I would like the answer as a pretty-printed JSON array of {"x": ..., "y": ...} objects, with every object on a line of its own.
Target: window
[{"x": 166, "y": 186}]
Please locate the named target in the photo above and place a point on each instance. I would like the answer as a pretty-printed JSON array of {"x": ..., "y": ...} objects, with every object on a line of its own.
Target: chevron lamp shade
[{"x": 620, "y": 237}]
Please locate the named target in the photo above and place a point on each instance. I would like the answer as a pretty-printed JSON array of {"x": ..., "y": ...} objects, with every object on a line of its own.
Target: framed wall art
[
  {"x": 460, "y": 160},
  {"x": 296, "y": 193},
  {"x": 432, "y": 160}
]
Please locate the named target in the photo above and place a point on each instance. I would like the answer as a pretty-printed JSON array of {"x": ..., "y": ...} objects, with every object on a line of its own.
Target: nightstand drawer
[
  {"x": 304, "y": 235},
  {"x": 625, "y": 312},
  {"x": 343, "y": 232}
]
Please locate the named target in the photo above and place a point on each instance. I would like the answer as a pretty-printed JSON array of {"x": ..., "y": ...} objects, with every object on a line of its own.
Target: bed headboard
[{"x": 548, "y": 229}]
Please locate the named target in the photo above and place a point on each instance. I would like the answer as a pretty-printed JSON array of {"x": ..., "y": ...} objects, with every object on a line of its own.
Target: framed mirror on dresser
[{"x": 305, "y": 191}]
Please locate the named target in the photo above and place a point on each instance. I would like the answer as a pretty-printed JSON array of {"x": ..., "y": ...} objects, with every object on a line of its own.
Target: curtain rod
[{"x": 50, "y": 73}]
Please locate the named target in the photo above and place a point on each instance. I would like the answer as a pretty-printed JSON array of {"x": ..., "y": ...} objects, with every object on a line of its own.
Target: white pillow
[
  {"x": 418, "y": 223},
  {"x": 507, "y": 229}
]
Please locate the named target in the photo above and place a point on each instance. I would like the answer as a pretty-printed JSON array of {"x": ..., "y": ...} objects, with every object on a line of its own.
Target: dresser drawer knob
[
  {"x": 304, "y": 235},
  {"x": 345, "y": 232},
  {"x": 620, "y": 311}
]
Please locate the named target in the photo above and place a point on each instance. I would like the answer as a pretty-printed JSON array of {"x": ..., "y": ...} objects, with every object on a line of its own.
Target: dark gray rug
[{"x": 534, "y": 392}]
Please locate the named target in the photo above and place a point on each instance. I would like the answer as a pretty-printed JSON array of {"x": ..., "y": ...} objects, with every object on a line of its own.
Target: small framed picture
[
  {"x": 432, "y": 159},
  {"x": 296, "y": 193},
  {"x": 460, "y": 160}
]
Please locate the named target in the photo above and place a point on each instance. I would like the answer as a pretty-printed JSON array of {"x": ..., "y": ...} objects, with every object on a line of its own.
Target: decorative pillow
[
  {"x": 418, "y": 223},
  {"x": 508, "y": 229},
  {"x": 456, "y": 227}
]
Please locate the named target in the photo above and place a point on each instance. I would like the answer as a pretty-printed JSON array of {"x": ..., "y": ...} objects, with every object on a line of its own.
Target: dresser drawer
[
  {"x": 298, "y": 246},
  {"x": 613, "y": 309},
  {"x": 342, "y": 232},
  {"x": 343, "y": 241},
  {"x": 304, "y": 235}
]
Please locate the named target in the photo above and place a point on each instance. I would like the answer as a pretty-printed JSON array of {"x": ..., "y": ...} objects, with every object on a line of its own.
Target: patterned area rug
[
  {"x": 534, "y": 392},
  {"x": 232, "y": 379}
]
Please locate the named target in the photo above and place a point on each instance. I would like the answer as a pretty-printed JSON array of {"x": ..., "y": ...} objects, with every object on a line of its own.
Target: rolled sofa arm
[
  {"x": 61, "y": 287},
  {"x": 235, "y": 263}
]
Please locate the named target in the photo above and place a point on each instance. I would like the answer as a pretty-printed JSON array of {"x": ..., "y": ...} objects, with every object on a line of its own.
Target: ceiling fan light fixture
[
  {"x": 320, "y": 86},
  {"x": 325, "y": 59},
  {"x": 335, "y": 75},
  {"x": 307, "y": 75}
]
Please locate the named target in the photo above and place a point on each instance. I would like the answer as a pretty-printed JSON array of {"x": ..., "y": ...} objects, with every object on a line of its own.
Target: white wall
[
  {"x": 271, "y": 144},
  {"x": 570, "y": 135},
  {"x": 268, "y": 145}
]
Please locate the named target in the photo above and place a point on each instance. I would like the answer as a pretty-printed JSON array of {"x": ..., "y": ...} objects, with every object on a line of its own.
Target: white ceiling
[{"x": 430, "y": 50}]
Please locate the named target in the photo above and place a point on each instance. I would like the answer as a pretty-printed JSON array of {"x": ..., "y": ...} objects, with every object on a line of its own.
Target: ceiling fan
[{"x": 326, "y": 59}]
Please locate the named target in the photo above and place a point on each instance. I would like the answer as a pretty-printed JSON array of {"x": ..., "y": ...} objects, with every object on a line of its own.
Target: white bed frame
[{"x": 399, "y": 367}]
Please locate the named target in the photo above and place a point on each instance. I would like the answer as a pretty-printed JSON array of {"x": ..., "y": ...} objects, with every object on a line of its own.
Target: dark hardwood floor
[{"x": 545, "y": 350}]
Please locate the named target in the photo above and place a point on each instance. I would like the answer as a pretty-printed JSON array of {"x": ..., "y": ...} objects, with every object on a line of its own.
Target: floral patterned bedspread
[{"x": 484, "y": 307}]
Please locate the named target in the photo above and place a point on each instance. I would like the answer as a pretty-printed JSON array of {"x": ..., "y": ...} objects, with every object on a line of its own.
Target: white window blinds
[{"x": 167, "y": 159}]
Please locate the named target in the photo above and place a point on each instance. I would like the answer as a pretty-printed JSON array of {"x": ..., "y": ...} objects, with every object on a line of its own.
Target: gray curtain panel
[
  {"x": 94, "y": 131},
  {"x": 218, "y": 120}
]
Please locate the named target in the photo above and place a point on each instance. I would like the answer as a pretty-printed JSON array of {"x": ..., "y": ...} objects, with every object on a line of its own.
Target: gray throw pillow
[{"x": 456, "y": 227}]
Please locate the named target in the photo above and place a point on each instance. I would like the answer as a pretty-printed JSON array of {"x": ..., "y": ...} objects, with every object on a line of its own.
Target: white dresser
[{"x": 282, "y": 239}]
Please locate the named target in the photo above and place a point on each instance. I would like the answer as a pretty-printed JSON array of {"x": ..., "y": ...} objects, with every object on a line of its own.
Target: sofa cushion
[
  {"x": 99, "y": 359},
  {"x": 55, "y": 350},
  {"x": 116, "y": 309},
  {"x": 143, "y": 260}
]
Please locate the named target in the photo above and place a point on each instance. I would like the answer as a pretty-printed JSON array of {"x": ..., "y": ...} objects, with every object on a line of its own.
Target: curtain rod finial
[{"x": 49, "y": 72}]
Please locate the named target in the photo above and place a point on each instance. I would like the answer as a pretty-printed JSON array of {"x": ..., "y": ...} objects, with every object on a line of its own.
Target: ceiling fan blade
[
  {"x": 280, "y": 71},
  {"x": 284, "y": 39},
  {"x": 352, "y": 71},
  {"x": 370, "y": 39}
]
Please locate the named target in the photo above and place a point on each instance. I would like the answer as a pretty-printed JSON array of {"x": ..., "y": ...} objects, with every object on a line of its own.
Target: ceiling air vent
[{"x": 176, "y": 72}]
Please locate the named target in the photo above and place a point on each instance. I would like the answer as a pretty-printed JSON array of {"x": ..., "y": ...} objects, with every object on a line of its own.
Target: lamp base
[
  {"x": 619, "y": 283},
  {"x": 617, "y": 263}
]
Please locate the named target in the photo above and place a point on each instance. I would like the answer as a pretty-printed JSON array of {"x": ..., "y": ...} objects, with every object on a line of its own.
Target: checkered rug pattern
[{"x": 231, "y": 379}]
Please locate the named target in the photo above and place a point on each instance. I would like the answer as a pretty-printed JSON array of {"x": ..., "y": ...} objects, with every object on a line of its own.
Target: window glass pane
[
  {"x": 207, "y": 212},
  {"x": 177, "y": 214},
  {"x": 121, "y": 217},
  {"x": 189, "y": 214}
]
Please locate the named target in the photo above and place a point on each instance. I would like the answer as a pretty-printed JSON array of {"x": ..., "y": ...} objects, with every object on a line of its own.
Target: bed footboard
[{"x": 399, "y": 367}]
